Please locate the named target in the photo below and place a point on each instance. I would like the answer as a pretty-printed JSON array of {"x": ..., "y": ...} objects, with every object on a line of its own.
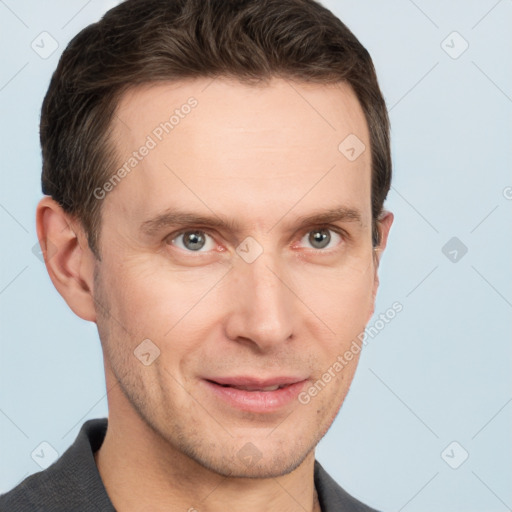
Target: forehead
[
  {"x": 330, "y": 110},
  {"x": 240, "y": 147}
]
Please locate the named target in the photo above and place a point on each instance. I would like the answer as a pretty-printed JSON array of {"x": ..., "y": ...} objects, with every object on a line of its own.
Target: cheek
[
  {"x": 150, "y": 300},
  {"x": 175, "y": 310},
  {"x": 342, "y": 299},
  {"x": 156, "y": 298}
]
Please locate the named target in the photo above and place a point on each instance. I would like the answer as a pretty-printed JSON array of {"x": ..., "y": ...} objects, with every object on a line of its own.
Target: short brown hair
[{"x": 143, "y": 41}]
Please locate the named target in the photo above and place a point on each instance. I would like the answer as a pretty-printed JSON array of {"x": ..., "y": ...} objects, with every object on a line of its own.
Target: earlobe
[{"x": 68, "y": 259}]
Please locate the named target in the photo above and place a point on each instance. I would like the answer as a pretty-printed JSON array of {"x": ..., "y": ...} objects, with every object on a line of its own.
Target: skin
[{"x": 262, "y": 156}]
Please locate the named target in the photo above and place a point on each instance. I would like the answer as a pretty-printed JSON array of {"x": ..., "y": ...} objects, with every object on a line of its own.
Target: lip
[
  {"x": 256, "y": 401},
  {"x": 255, "y": 382}
]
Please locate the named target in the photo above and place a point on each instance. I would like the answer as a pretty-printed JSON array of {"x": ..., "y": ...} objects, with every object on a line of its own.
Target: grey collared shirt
[{"x": 73, "y": 482}]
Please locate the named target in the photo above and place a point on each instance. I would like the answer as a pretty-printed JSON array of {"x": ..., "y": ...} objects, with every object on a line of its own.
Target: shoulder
[
  {"x": 70, "y": 483},
  {"x": 332, "y": 497}
]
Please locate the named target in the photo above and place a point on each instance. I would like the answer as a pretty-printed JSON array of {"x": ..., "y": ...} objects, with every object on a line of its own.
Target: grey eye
[
  {"x": 319, "y": 238},
  {"x": 191, "y": 240}
]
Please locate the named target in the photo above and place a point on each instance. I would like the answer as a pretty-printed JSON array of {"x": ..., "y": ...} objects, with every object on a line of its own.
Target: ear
[
  {"x": 68, "y": 259},
  {"x": 384, "y": 225}
]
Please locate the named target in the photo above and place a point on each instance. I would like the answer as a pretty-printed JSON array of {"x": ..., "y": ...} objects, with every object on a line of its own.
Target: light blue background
[{"x": 439, "y": 372}]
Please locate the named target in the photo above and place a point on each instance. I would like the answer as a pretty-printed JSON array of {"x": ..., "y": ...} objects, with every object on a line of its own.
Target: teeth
[
  {"x": 270, "y": 388},
  {"x": 248, "y": 388}
]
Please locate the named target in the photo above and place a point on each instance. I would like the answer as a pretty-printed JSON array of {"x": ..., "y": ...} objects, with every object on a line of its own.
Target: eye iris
[
  {"x": 193, "y": 240},
  {"x": 320, "y": 238}
]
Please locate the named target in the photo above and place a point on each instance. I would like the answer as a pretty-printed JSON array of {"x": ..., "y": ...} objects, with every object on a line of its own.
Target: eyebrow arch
[{"x": 173, "y": 217}]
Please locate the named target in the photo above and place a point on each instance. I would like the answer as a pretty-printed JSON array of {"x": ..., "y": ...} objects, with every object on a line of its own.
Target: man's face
[{"x": 276, "y": 308}]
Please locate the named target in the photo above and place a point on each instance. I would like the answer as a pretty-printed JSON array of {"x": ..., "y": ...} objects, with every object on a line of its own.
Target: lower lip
[{"x": 257, "y": 401}]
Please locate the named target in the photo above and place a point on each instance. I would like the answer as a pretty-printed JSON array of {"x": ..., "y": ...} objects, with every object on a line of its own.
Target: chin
[{"x": 250, "y": 462}]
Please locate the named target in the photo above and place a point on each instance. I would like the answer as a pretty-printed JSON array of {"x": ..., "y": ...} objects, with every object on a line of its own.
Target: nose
[{"x": 262, "y": 304}]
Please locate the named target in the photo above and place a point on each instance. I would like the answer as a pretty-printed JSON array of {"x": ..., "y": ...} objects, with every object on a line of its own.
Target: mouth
[
  {"x": 251, "y": 388},
  {"x": 252, "y": 394}
]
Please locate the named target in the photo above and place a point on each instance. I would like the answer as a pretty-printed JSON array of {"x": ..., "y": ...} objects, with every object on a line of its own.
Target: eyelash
[{"x": 344, "y": 237}]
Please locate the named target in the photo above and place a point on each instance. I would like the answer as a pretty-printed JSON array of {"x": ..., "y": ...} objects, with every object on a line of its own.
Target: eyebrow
[{"x": 173, "y": 217}]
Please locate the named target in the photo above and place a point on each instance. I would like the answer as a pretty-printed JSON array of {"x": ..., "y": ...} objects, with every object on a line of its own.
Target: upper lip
[{"x": 256, "y": 382}]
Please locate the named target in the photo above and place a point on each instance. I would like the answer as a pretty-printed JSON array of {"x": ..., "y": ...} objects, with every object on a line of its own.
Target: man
[{"x": 215, "y": 173}]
